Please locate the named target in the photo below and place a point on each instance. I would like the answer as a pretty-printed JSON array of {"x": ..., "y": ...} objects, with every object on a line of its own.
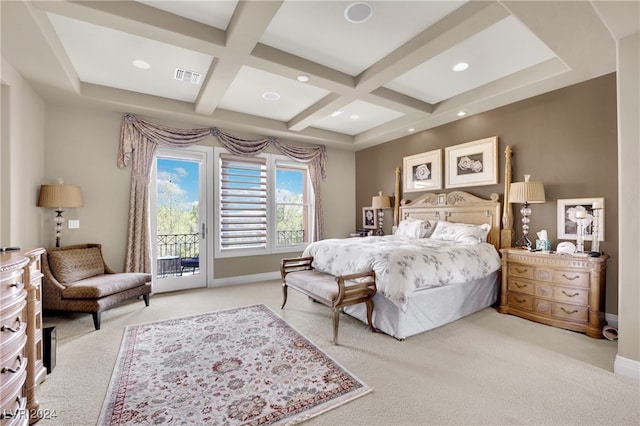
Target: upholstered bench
[
  {"x": 334, "y": 292},
  {"x": 76, "y": 279}
]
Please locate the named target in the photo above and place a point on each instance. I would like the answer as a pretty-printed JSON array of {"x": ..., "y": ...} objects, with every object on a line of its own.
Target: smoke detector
[{"x": 188, "y": 76}]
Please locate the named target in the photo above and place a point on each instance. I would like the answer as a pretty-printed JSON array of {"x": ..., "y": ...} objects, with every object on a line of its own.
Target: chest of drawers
[{"x": 558, "y": 290}]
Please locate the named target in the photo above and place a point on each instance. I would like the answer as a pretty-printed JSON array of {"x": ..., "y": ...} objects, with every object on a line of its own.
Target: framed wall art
[
  {"x": 472, "y": 164},
  {"x": 423, "y": 172},
  {"x": 369, "y": 218},
  {"x": 568, "y": 224}
]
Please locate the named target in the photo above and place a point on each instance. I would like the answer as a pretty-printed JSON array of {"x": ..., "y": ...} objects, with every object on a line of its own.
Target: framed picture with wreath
[
  {"x": 423, "y": 172},
  {"x": 473, "y": 163}
]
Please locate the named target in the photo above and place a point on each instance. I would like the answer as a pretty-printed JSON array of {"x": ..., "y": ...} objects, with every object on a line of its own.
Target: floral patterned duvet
[{"x": 403, "y": 265}]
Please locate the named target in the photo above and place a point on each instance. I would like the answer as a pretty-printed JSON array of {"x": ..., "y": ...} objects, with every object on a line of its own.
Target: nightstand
[{"x": 560, "y": 290}]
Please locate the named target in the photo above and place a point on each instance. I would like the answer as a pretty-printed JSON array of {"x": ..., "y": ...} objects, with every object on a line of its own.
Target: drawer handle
[
  {"x": 570, "y": 295},
  {"x": 12, "y": 370},
  {"x": 521, "y": 271},
  {"x": 566, "y": 311},
  {"x": 14, "y": 285},
  {"x": 519, "y": 300},
  {"x": 13, "y": 330},
  {"x": 520, "y": 285},
  {"x": 9, "y": 414},
  {"x": 575, "y": 277}
]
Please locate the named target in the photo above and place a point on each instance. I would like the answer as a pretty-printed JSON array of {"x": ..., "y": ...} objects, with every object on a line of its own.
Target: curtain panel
[{"x": 138, "y": 142}]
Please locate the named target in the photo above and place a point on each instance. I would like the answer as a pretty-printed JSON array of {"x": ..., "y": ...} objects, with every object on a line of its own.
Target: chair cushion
[
  {"x": 105, "y": 285},
  {"x": 314, "y": 282},
  {"x": 72, "y": 265}
]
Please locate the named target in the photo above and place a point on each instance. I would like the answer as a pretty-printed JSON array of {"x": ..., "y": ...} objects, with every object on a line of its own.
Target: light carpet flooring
[{"x": 486, "y": 369}]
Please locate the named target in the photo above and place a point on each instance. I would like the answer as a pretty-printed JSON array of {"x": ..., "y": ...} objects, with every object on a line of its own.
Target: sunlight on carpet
[{"x": 239, "y": 366}]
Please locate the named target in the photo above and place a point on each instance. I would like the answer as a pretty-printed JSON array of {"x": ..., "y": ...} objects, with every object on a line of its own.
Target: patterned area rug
[{"x": 242, "y": 366}]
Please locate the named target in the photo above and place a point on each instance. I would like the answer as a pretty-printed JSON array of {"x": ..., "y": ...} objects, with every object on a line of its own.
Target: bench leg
[
  {"x": 284, "y": 295},
  {"x": 96, "y": 320},
  {"x": 336, "y": 320},
  {"x": 370, "y": 315},
  {"x": 146, "y": 299}
]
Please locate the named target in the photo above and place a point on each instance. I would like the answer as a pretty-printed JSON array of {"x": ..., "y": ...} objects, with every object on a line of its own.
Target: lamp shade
[
  {"x": 380, "y": 201},
  {"x": 530, "y": 192},
  {"x": 60, "y": 196}
]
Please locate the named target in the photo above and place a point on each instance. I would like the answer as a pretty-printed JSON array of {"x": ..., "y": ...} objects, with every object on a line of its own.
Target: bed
[{"x": 412, "y": 298}]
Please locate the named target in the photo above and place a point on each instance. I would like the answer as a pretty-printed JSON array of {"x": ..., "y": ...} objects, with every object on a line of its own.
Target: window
[{"x": 265, "y": 205}]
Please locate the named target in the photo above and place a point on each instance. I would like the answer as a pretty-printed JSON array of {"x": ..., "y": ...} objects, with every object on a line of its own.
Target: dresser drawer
[
  {"x": 570, "y": 312},
  {"x": 544, "y": 290},
  {"x": 572, "y": 278},
  {"x": 12, "y": 324},
  {"x": 11, "y": 286},
  {"x": 12, "y": 375},
  {"x": 521, "y": 301},
  {"x": 542, "y": 306},
  {"x": 522, "y": 271},
  {"x": 13, "y": 410},
  {"x": 521, "y": 286},
  {"x": 543, "y": 274},
  {"x": 579, "y": 296}
]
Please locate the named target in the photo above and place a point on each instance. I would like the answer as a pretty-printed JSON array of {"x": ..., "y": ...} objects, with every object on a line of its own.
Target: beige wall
[
  {"x": 22, "y": 162},
  {"x": 567, "y": 139},
  {"x": 629, "y": 175},
  {"x": 81, "y": 146}
]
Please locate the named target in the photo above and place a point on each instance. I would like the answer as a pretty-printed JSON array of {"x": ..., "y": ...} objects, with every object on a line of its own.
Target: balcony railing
[
  {"x": 295, "y": 236},
  {"x": 174, "y": 251},
  {"x": 178, "y": 254}
]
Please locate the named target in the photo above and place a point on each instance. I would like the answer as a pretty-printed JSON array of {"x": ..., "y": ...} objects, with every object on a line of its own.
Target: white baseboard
[
  {"x": 627, "y": 367},
  {"x": 611, "y": 320},
  {"x": 245, "y": 279}
]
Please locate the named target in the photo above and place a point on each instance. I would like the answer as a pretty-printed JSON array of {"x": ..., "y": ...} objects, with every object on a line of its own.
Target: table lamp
[
  {"x": 379, "y": 203},
  {"x": 59, "y": 196},
  {"x": 526, "y": 193}
]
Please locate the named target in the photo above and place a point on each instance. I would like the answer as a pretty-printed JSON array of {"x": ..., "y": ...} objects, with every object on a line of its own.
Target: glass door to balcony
[{"x": 180, "y": 195}]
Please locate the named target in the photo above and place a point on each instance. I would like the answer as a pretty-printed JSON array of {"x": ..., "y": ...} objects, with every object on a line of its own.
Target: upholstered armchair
[{"x": 76, "y": 279}]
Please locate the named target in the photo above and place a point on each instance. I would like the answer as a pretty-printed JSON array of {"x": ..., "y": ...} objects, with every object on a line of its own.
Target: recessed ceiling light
[
  {"x": 271, "y": 96},
  {"x": 303, "y": 78},
  {"x": 461, "y": 113},
  {"x": 354, "y": 116},
  {"x": 411, "y": 129},
  {"x": 336, "y": 113},
  {"x": 143, "y": 65},
  {"x": 358, "y": 12},
  {"x": 460, "y": 66}
]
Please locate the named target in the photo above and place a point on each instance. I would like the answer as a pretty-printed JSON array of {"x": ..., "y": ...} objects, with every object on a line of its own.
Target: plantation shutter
[{"x": 243, "y": 202}]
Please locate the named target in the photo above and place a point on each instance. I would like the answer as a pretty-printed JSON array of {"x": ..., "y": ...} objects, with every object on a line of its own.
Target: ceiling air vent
[{"x": 188, "y": 76}]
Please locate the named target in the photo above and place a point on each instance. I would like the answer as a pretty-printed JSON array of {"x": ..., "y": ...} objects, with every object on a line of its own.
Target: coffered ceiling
[{"x": 239, "y": 61}]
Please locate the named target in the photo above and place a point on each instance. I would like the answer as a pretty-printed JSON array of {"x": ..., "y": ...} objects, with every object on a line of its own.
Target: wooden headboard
[
  {"x": 457, "y": 206},
  {"x": 460, "y": 206}
]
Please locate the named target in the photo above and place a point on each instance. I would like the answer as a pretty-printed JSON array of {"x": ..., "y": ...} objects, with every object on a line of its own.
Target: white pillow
[
  {"x": 415, "y": 228},
  {"x": 410, "y": 228},
  {"x": 461, "y": 232}
]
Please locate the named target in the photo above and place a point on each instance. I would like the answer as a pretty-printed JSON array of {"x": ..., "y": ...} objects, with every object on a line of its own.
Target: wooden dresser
[
  {"x": 21, "y": 363},
  {"x": 560, "y": 290}
]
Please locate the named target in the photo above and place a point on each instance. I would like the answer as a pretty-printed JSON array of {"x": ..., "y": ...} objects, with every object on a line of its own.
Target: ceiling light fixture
[
  {"x": 270, "y": 96},
  {"x": 303, "y": 78},
  {"x": 143, "y": 65},
  {"x": 354, "y": 116},
  {"x": 358, "y": 12},
  {"x": 461, "y": 113},
  {"x": 411, "y": 129},
  {"x": 461, "y": 66},
  {"x": 336, "y": 113}
]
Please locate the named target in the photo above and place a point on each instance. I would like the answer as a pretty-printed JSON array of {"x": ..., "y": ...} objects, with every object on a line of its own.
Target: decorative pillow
[
  {"x": 410, "y": 228},
  {"x": 75, "y": 264},
  {"x": 461, "y": 232},
  {"x": 415, "y": 228}
]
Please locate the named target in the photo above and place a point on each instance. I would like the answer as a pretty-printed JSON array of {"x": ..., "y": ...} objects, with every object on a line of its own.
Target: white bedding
[{"x": 403, "y": 265}]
